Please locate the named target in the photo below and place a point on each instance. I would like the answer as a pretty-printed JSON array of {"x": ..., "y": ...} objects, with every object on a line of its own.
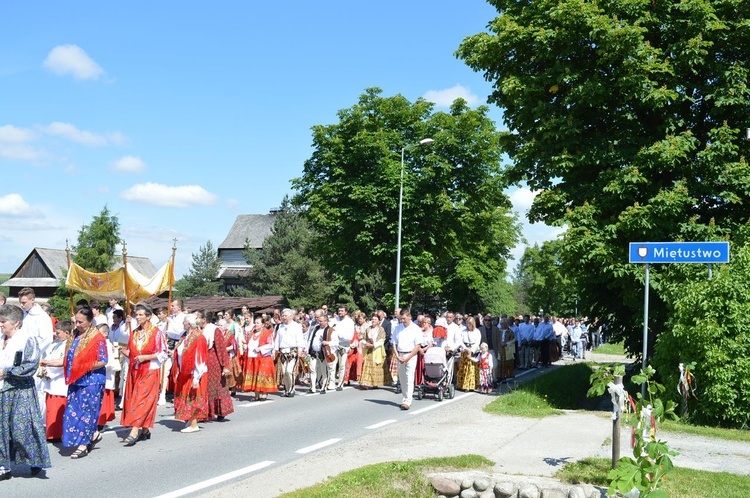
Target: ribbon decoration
[
  {"x": 686, "y": 384},
  {"x": 619, "y": 397}
]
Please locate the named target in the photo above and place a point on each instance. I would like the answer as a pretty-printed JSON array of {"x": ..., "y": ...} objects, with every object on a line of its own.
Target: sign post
[{"x": 673, "y": 252}]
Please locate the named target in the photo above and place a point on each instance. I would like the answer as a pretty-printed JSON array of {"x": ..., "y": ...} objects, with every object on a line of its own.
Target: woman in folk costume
[
  {"x": 486, "y": 367},
  {"x": 355, "y": 358},
  {"x": 505, "y": 349},
  {"x": 425, "y": 323},
  {"x": 146, "y": 352},
  {"x": 107, "y": 411},
  {"x": 189, "y": 371},
  {"x": 468, "y": 367},
  {"x": 219, "y": 401},
  {"x": 374, "y": 367},
  {"x": 22, "y": 431},
  {"x": 85, "y": 374},
  {"x": 260, "y": 370},
  {"x": 54, "y": 379},
  {"x": 233, "y": 350}
]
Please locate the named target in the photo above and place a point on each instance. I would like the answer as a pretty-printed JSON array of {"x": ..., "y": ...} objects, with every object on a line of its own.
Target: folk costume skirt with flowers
[
  {"x": 141, "y": 396},
  {"x": 375, "y": 371},
  {"x": 22, "y": 431},
  {"x": 191, "y": 403},
  {"x": 468, "y": 373},
  {"x": 82, "y": 413},
  {"x": 219, "y": 399},
  {"x": 260, "y": 375}
]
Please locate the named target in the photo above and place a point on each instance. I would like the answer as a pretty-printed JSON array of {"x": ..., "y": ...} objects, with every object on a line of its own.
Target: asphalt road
[{"x": 257, "y": 437}]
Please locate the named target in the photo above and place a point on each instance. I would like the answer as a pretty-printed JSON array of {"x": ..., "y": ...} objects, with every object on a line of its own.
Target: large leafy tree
[
  {"x": 629, "y": 116},
  {"x": 546, "y": 284},
  {"x": 287, "y": 264},
  {"x": 203, "y": 277},
  {"x": 457, "y": 222}
]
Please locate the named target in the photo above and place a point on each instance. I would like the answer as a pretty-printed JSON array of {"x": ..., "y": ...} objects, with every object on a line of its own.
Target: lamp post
[{"x": 424, "y": 141}]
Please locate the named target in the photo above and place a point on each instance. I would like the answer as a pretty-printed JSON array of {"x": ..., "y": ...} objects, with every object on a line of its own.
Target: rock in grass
[{"x": 445, "y": 486}]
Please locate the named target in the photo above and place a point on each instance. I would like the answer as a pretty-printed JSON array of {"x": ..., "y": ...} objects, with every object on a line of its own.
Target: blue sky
[{"x": 180, "y": 116}]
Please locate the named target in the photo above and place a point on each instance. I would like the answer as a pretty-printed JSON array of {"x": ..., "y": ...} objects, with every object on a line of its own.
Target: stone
[
  {"x": 445, "y": 486},
  {"x": 576, "y": 492},
  {"x": 481, "y": 484},
  {"x": 554, "y": 493},
  {"x": 528, "y": 491},
  {"x": 505, "y": 489},
  {"x": 468, "y": 493},
  {"x": 467, "y": 483},
  {"x": 487, "y": 493}
]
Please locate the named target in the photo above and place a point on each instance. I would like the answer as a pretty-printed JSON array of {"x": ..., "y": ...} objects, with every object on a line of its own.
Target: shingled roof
[
  {"x": 213, "y": 304},
  {"x": 253, "y": 228}
]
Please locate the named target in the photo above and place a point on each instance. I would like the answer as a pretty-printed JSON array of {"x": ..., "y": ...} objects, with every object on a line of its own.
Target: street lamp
[{"x": 424, "y": 141}]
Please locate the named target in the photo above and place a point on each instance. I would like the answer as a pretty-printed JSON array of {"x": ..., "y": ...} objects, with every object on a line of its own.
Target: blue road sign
[{"x": 679, "y": 252}]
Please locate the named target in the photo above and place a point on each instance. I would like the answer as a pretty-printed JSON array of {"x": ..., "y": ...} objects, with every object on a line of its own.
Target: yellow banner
[
  {"x": 141, "y": 287},
  {"x": 100, "y": 286}
]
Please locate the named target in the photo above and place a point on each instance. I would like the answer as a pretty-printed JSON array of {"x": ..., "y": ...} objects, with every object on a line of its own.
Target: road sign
[{"x": 679, "y": 252}]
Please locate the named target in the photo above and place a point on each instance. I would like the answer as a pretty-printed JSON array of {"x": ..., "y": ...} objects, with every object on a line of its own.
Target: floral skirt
[
  {"x": 374, "y": 375},
  {"x": 22, "y": 431},
  {"x": 81, "y": 414},
  {"x": 468, "y": 374}
]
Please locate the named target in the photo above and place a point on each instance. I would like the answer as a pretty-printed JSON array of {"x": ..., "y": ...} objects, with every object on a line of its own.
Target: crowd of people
[{"x": 64, "y": 380}]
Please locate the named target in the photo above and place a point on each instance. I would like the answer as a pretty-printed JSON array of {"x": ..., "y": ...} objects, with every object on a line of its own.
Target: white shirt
[
  {"x": 290, "y": 336},
  {"x": 453, "y": 339},
  {"x": 344, "y": 328},
  {"x": 38, "y": 325},
  {"x": 120, "y": 334},
  {"x": 559, "y": 329},
  {"x": 406, "y": 338},
  {"x": 54, "y": 383},
  {"x": 176, "y": 326},
  {"x": 470, "y": 340}
]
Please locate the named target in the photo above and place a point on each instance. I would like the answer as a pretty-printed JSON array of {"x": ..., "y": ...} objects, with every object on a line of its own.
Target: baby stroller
[{"x": 437, "y": 374}]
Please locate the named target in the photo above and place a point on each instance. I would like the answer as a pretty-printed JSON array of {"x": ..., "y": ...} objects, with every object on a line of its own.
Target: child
[
  {"x": 486, "y": 364},
  {"x": 107, "y": 412},
  {"x": 55, "y": 387}
]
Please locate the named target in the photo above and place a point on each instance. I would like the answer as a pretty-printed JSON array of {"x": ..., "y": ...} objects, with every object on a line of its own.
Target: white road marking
[
  {"x": 216, "y": 480},
  {"x": 380, "y": 424},
  {"x": 440, "y": 403},
  {"x": 256, "y": 403},
  {"x": 314, "y": 447}
]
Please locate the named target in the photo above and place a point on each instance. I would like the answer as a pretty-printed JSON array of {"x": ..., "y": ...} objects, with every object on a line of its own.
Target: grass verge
[
  {"x": 563, "y": 389},
  {"x": 390, "y": 479},
  {"x": 617, "y": 348},
  {"x": 685, "y": 483},
  {"x": 702, "y": 430}
]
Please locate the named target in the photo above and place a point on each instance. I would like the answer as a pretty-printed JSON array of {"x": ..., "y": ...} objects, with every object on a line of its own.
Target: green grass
[
  {"x": 562, "y": 389},
  {"x": 680, "y": 482},
  {"x": 3, "y": 278},
  {"x": 702, "y": 430},
  {"x": 390, "y": 479},
  {"x": 617, "y": 348}
]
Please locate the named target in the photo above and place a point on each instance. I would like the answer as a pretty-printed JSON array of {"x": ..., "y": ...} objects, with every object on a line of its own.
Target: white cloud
[
  {"x": 10, "y": 134},
  {"x": 522, "y": 198},
  {"x": 129, "y": 164},
  {"x": 72, "y": 133},
  {"x": 72, "y": 59},
  {"x": 445, "y": 98},
  {"x": 232, "y": 203},
  {"x": 13, "y": 205},
  {"x": 182, "y": 196}
]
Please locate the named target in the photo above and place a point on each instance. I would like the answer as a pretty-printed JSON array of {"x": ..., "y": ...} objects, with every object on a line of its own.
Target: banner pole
[{"x": 70, "y": 291}]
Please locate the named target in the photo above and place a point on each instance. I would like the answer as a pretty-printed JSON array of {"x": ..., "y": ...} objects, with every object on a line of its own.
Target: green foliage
[
  {"x": 458, "y": 226},
  {"x": 498, "y": 297},
  {"x": 709, "y": 327},
  {"x": 97, "y": 242},
  {"x": 288, "y": 264},
  {"x": 647, "y": 471},
  {"x": 629, "y": 117},
  {"x": 546, "y": 285},
  {"x": 202, "y": 279},
  {"x": 683, "y": 483}
]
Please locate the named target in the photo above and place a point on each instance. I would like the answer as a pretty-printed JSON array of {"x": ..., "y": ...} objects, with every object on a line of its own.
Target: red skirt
[
  {"x": 260, "y": 375},
  {"x": 190, "y": 403},
  {"x": 107, "y": 411},
  {"x": 419, "y": 370},
  {"x": 55, "y": 410},
  {"x": 141, "y": 396}
]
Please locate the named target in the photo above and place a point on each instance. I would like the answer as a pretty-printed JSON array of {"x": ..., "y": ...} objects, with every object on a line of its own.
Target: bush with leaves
[{"x": 709, "y": 327}]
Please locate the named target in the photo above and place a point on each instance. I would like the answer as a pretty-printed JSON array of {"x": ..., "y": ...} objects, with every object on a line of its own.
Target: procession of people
[{"x": 62, "y": 384}]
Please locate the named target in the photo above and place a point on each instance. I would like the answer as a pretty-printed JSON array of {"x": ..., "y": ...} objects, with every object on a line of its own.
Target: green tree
[
  {"x": 629, "y": 117},
  {"x": 97, "y": 243},
  {"x": 94, "y": 251},
  {"x": 287, "y": 263},
  {"x": 545, "y": 282},
  {"x": 457, "y": 223},
  {"x": 202, "y": 279}
]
